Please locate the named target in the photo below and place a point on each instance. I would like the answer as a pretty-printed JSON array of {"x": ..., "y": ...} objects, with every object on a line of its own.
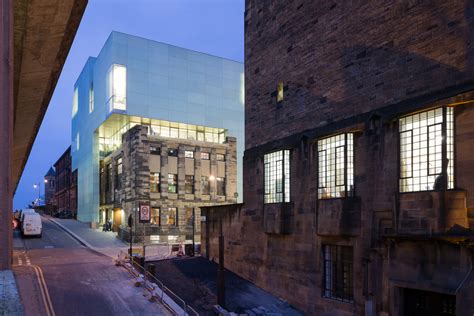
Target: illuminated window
[
  {"x": 280, "y": 92},
  {"x": 338, "y": 272},
  {"x": 155, "y": 216},
  {"x": 220, "y": 157},
  {"x": 277, "y": 177},
  {"x": 117, "y": 97},
  {"x": 189, "y": 154},
  {"x": 336, "y": 166},
  {"x": 155, "y": 150},
  {"x": 75, "y": 102},
  {"x": 154, "y": 182},
  {"x": 172, "y": 183},
  {"x": 118, "y": 173},
  {"x": 91, "y": 98},
  {"x": 189, "y": 184},
  {"x": 205, "y": 156},
  {"x": 422, "y": 148},
  {"x": 220, "y": 186},
  {"x": 169, "y": 216},
  {"x": 205, "y": 186}
]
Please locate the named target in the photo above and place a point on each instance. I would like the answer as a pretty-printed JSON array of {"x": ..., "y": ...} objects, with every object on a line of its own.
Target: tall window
[
  {"x": 91, "y": 98},
  {"x": 154, "y": 182},
  {"x": 118, "y": 174},
  {"x": 220, "y": 186},
  {"x": 205, "y": 186},
  {"x": 172, "y": 183},
  {"x": 117, "y": 81},
  {"x": 189, "y": 184},
  {"x": 169, "y": 216},
  {"x": 155, "y": 216},
  {"x": 427, "y": 150},
  {"x": 338, "y": 272},
  {"x": 277, "y": 176},
  {"x": 189, "y": 216},
  {"x": 75, "y": 102},
  {"x": 336, "y": 166}
]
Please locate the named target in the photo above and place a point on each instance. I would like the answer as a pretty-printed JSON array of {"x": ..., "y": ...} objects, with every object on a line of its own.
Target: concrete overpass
[{"x": 36, "y": 36}]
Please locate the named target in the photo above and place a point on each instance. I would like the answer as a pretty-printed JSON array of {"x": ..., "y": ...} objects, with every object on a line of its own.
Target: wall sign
[{"x": 144, "y": 214}]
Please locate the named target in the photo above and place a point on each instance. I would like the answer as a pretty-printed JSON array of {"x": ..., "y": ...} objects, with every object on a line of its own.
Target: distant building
[
  {"x": 358, "y": 165},
  {"x": 188, "y": 103},
  {"x": 49, "y": 190},
  {"x": 65, "y": 195},
  {"x": 174, "y": 176}
]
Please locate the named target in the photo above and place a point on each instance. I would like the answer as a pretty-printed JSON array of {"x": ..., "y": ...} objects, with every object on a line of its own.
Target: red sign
[{"x": 144, "y": 215}]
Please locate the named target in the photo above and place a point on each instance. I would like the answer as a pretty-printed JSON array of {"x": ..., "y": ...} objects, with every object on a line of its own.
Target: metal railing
[{"x": 155, "y": 289}]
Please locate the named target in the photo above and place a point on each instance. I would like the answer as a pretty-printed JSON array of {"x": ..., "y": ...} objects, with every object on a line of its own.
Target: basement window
[
  {"x": 338, "y": 272},
  {"x": 427, "y": 150}
]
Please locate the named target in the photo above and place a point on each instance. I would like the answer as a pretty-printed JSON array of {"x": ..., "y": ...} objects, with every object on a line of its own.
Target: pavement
[
  {"x": 105, "y": 243},
  {"x": 9, "y": 296},
  {"x": 58, "y": 275}
]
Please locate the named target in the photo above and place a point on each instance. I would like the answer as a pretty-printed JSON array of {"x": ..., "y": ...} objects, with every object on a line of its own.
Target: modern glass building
[{"x": 176, "y": 92}]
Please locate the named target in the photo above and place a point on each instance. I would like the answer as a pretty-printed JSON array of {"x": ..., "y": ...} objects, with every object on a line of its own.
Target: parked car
[
  {"x": 31, "y": 225},
  {"x": 25, "y": 211}
]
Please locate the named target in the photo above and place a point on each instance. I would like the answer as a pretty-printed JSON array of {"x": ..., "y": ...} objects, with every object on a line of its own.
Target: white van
[
  {"x": 31, "y": 225},
  {"x": 26, "y": 211}
]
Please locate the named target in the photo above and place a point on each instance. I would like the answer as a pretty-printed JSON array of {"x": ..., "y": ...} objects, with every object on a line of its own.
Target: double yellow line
[{"x": 44, "y": 290}]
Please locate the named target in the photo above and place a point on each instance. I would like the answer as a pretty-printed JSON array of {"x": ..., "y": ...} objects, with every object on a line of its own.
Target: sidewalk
[
  {"x": 105, "y": 243},
  {"x": 9, "y": 296}
]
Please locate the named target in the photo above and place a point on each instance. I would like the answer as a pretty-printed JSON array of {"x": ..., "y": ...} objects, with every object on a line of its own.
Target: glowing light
[{"x": 212, "y": 178}]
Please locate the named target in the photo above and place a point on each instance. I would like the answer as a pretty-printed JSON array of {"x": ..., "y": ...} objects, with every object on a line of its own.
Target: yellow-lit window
[
  {"x": 117, "y": 87},
  {"x": 280, "y": 92}
]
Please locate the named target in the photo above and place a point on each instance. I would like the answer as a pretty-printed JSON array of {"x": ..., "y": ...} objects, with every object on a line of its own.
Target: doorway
[
  {"x": 425, "y": 303},
  {"x": 117, "y": 219}
]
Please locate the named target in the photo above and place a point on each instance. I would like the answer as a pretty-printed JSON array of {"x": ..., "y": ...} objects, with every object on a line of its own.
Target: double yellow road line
[{"x": 44, "y": 291}]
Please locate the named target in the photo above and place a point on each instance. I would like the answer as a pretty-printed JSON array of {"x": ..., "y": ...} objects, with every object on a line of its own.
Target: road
[{"x": 58, "y": 276}]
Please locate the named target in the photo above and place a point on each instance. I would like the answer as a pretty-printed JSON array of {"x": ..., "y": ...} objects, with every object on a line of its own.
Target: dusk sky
[{"x": 211, "y": 26}]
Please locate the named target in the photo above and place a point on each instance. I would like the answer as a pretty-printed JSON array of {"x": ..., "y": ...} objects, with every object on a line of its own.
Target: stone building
[
  {"x": 358, "y": 165},
  {"x": 65, "y": 195},
  {"x": 173, "y": 176},
  {"x": 49, "y": 189}
]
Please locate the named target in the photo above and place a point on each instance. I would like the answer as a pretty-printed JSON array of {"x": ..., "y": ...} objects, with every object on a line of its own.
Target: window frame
[
  {"x": 208, "y": 181},
  {"x": 205, "y": 155},
  {"x": 220, "y": 157},
  {"x": 448, "y": 150},
  {"x": 324, "y": 162},
  {"x": 186, "y": 184},
  {"x": 155, "y": 182},
  {"x": 189, "y": 154},
  {"x": 270, "y": 197},
  {"x": 152, "y": 216},
  {"x": 173, "y": 182},
  {"x": 220, "y": 181},
  {"x": 340, "y": 266}
]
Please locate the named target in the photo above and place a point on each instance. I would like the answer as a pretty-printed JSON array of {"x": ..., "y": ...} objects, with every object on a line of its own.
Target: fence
[{"x": 154, "y": 289}]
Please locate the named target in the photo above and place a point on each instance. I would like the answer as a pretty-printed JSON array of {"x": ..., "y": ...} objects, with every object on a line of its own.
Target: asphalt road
[{"x": 77, "y": 280}]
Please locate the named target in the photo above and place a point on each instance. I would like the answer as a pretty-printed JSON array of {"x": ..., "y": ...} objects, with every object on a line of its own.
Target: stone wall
[
  {"x": 338, "y": 59},
  {"x": 137, "y": 164}
]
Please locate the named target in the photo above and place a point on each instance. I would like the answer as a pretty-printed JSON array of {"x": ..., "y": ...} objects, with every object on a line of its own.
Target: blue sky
[{"x": 211, "y": 26}]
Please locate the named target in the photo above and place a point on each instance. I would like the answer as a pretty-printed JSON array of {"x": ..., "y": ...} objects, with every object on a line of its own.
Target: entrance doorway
[
  {"x": 425, "y": 303},
  {"x": 117, "y": 220}
]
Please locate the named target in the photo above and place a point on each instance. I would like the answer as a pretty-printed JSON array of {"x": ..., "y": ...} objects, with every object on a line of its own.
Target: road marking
[{"x": 44, "y": 291}]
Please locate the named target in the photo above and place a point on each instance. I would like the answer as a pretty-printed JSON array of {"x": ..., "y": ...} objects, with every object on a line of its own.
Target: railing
[{"x": 155, "y": 290}]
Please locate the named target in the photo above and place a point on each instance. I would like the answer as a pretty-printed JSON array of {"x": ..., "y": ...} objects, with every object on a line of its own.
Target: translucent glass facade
[
  {"x": 186, "y": 93},
  {"x": 427, "y": 150}
]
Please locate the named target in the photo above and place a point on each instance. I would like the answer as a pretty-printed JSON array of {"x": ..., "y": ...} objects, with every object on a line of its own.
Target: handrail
[{"x": 129, "y": 265}]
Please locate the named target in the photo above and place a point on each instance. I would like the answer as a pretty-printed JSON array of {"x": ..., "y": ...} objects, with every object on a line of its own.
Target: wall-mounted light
[{"x": 212, "y": 178}]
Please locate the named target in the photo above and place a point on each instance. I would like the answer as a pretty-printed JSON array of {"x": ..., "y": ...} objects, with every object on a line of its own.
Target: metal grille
[
  {"x": 336, "y": 166},
  {"x": 427, "y": 150},
  {"x": 277, "y": 176},
  {"x": 338, "y": 272}
]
